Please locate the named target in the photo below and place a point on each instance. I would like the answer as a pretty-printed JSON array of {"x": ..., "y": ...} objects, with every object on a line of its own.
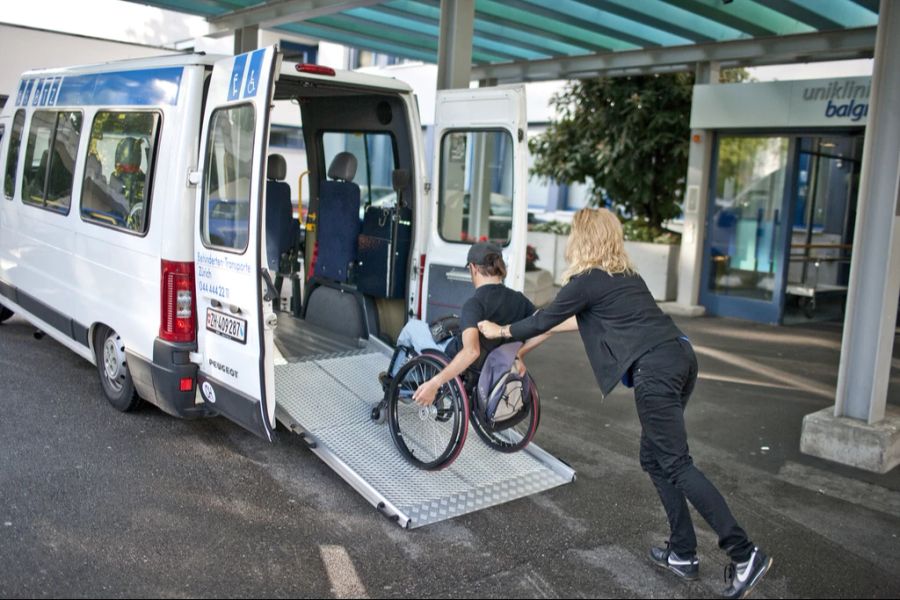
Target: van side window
[
  {"x": 50, "y": 159},
  {"x": 116, "y": 189},
  {"x": 475, "y": 201},
  {"x": 376, "y": 160},
  {"x": 225, "y": 214},
  {"x": 12, "y": 155}
]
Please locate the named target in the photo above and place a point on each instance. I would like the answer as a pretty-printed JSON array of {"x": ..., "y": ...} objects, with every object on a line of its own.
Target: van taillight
[
  {"x": 315, "y": 69},
  {"x": 177, "y": 322}
]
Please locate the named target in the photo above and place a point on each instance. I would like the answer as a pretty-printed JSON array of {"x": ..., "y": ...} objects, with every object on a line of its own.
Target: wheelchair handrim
[{"x": 457, "y": 435}]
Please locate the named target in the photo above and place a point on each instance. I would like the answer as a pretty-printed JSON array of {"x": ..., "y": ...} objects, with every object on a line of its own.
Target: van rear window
[
  {"x": 225, "y": 215},
  {"x": 475, "y": 201},
  {"x": 117, "y": 170},
  {"x": 50, "y": 159},
  {"x": 12, "y": 155}
]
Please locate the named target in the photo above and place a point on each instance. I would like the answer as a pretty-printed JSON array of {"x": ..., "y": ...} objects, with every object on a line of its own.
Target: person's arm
[
  {"x": 570, "y": 324},
  {"x": 471, "y": 350},
  {"x": 570, "y": 301}
]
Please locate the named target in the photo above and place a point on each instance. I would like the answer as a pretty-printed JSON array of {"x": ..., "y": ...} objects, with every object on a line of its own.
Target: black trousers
[{"x": 664, "y": 378}]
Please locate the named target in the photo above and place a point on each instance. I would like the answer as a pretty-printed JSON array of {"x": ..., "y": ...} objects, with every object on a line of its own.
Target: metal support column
[
  {"x": 690, "y": 258},
  {"x": 455, "y": 45},
  {"x": 861, "y": 430},
  {"x": 875, "y": 268},
  {"x": 246, "y": 39}
]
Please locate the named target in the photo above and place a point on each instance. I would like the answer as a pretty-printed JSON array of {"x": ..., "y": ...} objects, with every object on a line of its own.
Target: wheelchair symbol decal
[
  {"x": 235, "y": 83},
  {"x": 237, "y": 75},
  {"x": 251, "y": 86}
]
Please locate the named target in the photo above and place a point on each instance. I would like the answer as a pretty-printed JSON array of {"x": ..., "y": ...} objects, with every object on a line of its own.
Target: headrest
[
  {"x": 343, "y": 167},
  {"x": 128, "y": 152},
  {"x": 276, "y": 168}
]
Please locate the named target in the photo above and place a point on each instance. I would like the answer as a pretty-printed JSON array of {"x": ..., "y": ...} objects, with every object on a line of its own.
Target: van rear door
[
  {"x": 235, "y": 315},
  {"x": 480, "y": 187}
]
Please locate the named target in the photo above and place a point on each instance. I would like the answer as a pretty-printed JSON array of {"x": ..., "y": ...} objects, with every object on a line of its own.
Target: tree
[{"x": 627, "y": 137}]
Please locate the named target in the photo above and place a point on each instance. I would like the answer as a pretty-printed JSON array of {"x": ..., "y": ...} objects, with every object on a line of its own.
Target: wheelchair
[{"x": 432, "y": 437}]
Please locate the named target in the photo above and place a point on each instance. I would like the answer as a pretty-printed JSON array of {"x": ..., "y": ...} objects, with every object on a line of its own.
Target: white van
[{"x": 143, "y": 225}]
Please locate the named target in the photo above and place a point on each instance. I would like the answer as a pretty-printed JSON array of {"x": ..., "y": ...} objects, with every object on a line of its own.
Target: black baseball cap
[{"x": 480, "y": 251}]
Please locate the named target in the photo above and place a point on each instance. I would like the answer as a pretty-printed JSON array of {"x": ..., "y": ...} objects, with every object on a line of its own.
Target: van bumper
[{"x": 159, "y": 381}]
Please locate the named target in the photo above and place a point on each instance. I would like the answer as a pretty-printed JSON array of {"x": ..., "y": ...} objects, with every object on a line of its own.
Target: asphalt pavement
[{"x": 96, "y": 503}]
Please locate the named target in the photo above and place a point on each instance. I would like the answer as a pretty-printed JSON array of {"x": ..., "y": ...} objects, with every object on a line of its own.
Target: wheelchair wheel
[
  {"x": 429, "y": 437},
  {"x": 516, "y": 435}
]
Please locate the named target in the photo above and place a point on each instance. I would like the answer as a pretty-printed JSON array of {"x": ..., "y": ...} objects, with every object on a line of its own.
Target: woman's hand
[
  {"x": 426, "y": 393},
  {"x": 489, "y": 330},
  {"x": 520, "y": 366}
]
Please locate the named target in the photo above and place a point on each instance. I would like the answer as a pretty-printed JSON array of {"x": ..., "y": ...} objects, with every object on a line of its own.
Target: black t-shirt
[{"x": 493, "y": 302}]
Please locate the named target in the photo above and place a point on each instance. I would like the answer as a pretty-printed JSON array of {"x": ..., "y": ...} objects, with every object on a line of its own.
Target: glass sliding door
[{"x": 747, "y": 227}]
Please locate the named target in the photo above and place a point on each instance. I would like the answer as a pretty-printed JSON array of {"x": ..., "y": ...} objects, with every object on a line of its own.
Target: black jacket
[{"x": 617, "y": 317}]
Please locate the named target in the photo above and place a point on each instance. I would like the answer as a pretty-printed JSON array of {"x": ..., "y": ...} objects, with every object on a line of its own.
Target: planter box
[
  {"x": 562, "y": 242},
  {"x": 545, "y": 246},
  {"x": 656, "y": 263},
  {"x": 539, "y": 287},
  {"x": 551, "y": 251}
]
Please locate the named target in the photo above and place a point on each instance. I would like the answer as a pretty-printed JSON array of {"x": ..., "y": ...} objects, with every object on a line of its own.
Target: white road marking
[{"x": 345, "y": 582}]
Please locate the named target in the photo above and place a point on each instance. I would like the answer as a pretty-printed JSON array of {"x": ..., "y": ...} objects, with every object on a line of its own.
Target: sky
[
  {"x": 142, "y": 24},
  {"x": 108, "y": 19}
]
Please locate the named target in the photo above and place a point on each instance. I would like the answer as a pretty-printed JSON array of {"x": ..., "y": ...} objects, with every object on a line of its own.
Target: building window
[
  {"x": 281, "y": 136},
  {"x": 365, "y": 58},
  {"x": 301, "y": 53}
]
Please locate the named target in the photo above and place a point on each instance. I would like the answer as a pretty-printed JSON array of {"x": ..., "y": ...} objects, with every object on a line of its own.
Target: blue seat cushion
[{"x": 338, "y": 229}]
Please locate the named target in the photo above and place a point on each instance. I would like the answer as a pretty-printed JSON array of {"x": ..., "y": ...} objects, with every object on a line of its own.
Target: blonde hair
[{"x": 596, "y": 242}]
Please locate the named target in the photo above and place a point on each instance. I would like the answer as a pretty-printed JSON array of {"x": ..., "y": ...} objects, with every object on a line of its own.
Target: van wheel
[
  {"x": 5, "y": 313},
  {"x": 118, "y": 387}
]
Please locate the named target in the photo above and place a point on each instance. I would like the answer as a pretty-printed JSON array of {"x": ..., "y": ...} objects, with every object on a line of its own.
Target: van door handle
[{"x": 457, "y": 275}]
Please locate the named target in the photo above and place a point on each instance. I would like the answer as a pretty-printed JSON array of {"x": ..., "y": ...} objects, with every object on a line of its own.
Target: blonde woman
[{"x": 628, "y": 337}]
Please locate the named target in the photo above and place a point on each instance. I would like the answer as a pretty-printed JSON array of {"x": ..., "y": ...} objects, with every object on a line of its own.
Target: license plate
[{"x": 226, "y": 325}]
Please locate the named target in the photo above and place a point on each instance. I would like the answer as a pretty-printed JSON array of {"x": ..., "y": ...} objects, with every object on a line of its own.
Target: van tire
[
  {"x": 115, "y": 380},
  {"x": 5, "y": 313}
]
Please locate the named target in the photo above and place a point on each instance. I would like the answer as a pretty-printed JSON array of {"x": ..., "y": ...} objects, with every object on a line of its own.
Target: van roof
[
  {"x": 168, "y": 60},
  {"x": 288, "y": 69}
]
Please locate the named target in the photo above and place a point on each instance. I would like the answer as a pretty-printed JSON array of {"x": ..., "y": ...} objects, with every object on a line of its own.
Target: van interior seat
[
  {"x": 282, "y": 229},
  {"x": 338, "y": 220}
]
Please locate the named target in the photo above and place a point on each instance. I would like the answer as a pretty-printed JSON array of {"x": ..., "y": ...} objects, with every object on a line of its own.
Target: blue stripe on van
[
  {"x": 29, "y": 86},
  {"x": 148, "y": 87}
]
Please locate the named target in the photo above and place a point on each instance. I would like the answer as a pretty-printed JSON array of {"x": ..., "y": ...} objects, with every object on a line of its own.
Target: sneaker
[
  {"x": 687, "y": 567},
  {"x": 743, "y": 577}
]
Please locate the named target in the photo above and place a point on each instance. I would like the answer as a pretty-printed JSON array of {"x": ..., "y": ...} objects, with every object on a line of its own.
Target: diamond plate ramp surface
[{"x": 330, "y": 399}]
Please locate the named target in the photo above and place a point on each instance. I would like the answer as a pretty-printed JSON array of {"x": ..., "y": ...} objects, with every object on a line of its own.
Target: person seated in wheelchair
[{"x": 493, "y": 301}]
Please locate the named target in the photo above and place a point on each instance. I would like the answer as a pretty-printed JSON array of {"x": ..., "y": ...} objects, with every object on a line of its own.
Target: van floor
[{"x": 298, "y": 340}]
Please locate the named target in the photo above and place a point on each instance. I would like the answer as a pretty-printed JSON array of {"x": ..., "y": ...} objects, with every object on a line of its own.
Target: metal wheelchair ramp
[{"x": 328, "y": 400}]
